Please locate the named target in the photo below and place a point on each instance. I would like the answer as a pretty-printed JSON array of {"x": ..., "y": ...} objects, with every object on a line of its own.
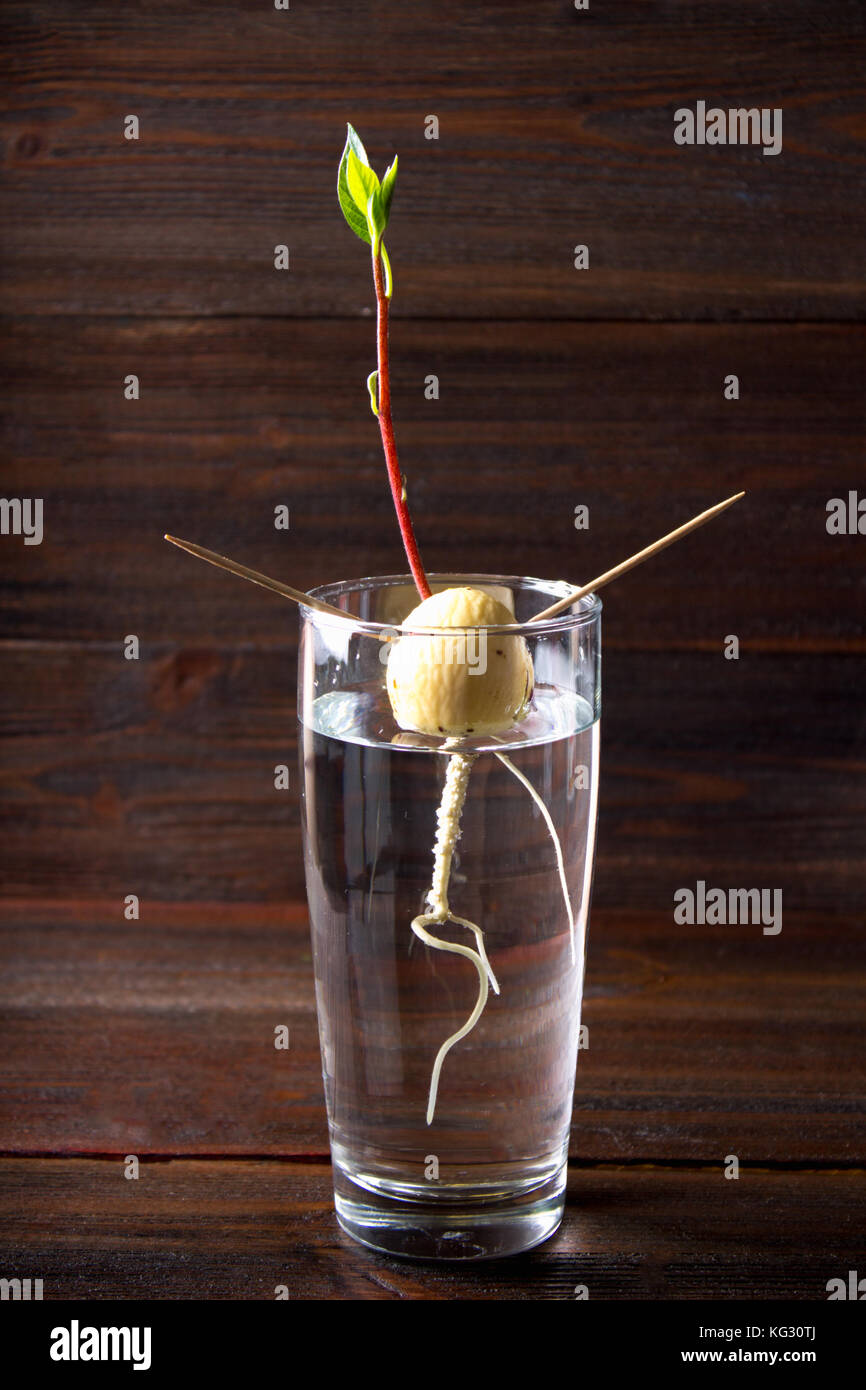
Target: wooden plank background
[
  {"x": 556, "y": 129},
  {"x": 218, "y": 1230},
  {"x": 557, "y": 388}
]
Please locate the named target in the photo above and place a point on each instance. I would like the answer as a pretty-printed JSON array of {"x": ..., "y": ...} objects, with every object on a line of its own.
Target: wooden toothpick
[
  {"x": 223, "y": 563},
  {"x": 265, "y": 582},
  {"x": 559, "y": 607}
]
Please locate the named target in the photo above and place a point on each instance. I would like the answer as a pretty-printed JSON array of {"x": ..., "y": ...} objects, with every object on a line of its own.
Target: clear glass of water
[{"x": 486, "y": 1177}]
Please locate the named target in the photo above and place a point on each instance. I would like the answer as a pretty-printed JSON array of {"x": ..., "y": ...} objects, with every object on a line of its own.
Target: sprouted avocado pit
[{"x": 432, "y": 687}]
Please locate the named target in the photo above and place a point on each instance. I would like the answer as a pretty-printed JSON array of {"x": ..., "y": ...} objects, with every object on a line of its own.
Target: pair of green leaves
[{"x": 366, "y": 202}]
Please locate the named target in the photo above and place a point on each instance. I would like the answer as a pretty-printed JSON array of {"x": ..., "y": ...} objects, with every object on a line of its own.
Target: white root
[
  {"x": 553, "y": 835},
  {"x": 447, "y": 835},
  {"x": 431, "y": 694}
]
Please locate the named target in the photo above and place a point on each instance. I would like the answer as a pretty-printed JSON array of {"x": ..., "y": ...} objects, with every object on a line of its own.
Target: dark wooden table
[{"x": 154, "y": 777}]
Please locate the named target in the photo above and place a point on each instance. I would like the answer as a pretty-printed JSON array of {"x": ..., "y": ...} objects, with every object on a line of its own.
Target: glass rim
[{"x": 551, "y": 589}]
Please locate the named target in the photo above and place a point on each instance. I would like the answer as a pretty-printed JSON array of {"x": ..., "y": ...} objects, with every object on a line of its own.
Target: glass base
[{"x": 436, "y": 1230}]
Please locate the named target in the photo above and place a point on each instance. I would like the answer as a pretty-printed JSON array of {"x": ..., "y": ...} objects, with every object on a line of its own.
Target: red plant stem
[{"x": 386, "y": 427}]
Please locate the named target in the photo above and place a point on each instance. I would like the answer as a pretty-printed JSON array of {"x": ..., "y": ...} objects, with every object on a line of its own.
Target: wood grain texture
[
  {"x": 558, "y": 387},
  {"x": 157, "y": 776},
  {"x": 239, "y": 416},
  {"x": 157, "y": 1036},
  {"x": 556, "y": 128},
  {"x": 236, "y": 1230}
]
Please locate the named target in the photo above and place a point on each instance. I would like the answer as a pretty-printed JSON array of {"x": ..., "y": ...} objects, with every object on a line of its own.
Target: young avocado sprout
[{"x": 432, "y": 686}]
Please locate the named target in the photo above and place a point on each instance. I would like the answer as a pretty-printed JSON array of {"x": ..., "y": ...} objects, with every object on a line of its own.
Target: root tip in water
[{"x": 548, "y": 820}]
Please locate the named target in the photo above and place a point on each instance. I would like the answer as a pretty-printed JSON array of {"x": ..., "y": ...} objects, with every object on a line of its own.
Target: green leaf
[
  {"x": 361, "y": 180},
  {"x": 366, "y": 203},
  {"x": 354, "y": 215},
  {"x": 373, "y": 388},
  {"x": 376, "y": 219},
  {"x": 354, "y": 142},
  {"x": 388, "y": 182},
  {"x": 389, "y": 283}
]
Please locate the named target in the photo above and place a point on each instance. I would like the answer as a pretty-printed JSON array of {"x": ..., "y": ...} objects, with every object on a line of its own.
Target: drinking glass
[{"x": 487, "y": 1176}]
